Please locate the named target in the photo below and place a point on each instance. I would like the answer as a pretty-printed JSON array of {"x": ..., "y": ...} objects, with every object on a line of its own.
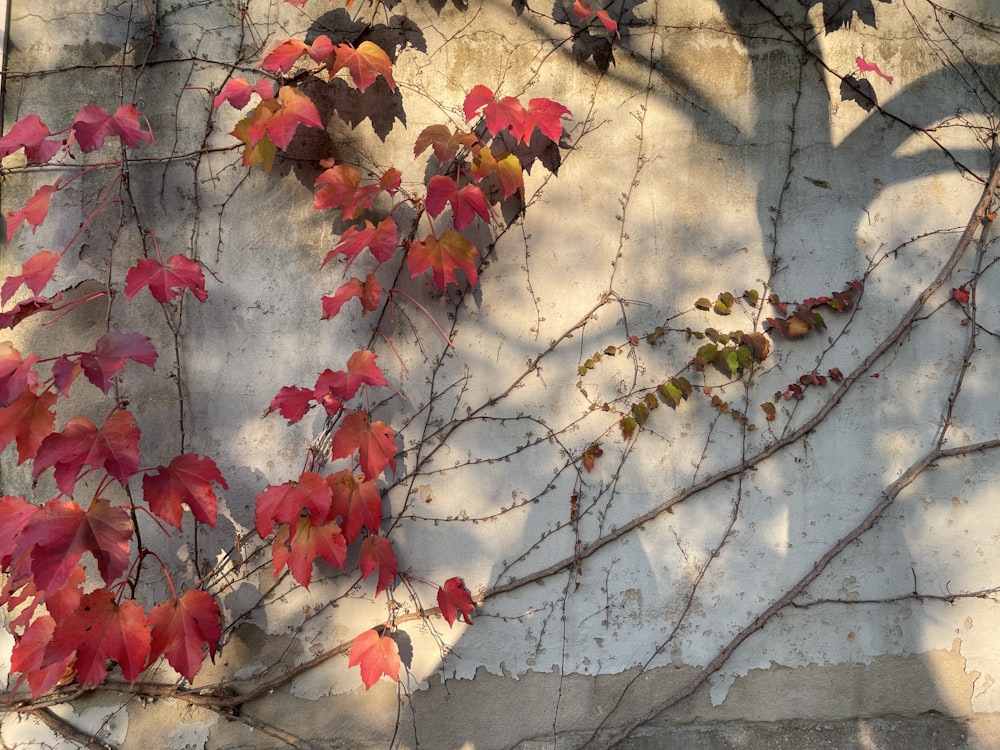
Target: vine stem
[
  {"x": 978, "y": 216},
  {"x": 886, "y": 498}
]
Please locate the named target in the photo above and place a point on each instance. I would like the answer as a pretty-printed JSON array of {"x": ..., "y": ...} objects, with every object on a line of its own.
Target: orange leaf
[
  {"x": 365, "y": 64},
  {"x": 374, "y": 441},
  {"x": 444, "y": 255}
]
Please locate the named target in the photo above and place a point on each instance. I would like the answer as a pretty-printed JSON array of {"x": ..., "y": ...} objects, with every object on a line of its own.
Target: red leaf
[
  {"x": 444, "y": 255},
  {"x": 28, "y": 658},
  {"x": 100, "y": 630},
  {"x": 31, "y": 134},
  {"x": 376, "y": 655},
  {"x": 16, "y": 375},
  {"x": 15, "y": 513},
  {"x": 166, "y": 282},
  {"x": 238, "y": 92},
  {"x": 547, "y": 115},
  {"x": 368, "y": 291},
  {"x": 583, "y": 11},
  {"x": 374, "y": 442},
  {"x": 292, "y": 403},
  {"x": 108, "y": 357},
  {"x": 296, "y": 109},
  {"x": 125, "y": 124},
  {"x": 115, "y": 448},
  {"x": 365, "y": 64},
  {"x": 376, "y": 552},
  {"x": 29, "y": 420},
  {"x": 381, "y": 240},
  {"x": 35, "y": 273},
  {"x": 283, "y": 57},
  {"x": 361, "y": 370},
  {"x": 34, "y": 212},
  {"x": 91, "y": 127},
  {"x": 864, "y": 66},
  {"x": 310, "y": 539},
  {"x": 182, "y": 628},
  {"x": 60, "y": 532},
  {"x": 505, "y": 113},
  {"x": 342, "y": 189},
  {"x": 961, "y": 295},
  {"x": 356, "y": 502},
  {"x": 187, "y": 480},
  {"x": 466, "y": 202},
  {"x": 453, "y": 598},
  {"x": 284, "y": 503},
  {"x": 25, "y": 309},
  {"x": 321, "y": 48}
]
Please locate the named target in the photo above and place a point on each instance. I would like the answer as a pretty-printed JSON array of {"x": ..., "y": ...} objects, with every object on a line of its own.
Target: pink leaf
[
  {"x": 865, "y": 67},
  {"x": 34, "y": 211}
]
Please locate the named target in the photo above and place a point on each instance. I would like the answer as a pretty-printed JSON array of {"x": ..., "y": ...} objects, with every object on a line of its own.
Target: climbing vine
[{"x": 427, "y": 454}]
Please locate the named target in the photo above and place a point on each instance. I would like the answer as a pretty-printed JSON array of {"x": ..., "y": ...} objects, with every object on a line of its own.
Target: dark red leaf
[
  {"x": 376, "y": 552},
  {"x": 454, "y": 598},
  {"x": 183, "y": 628},
  {"x": 166, "y": 282},
  {"x": 108, "y": 357}
]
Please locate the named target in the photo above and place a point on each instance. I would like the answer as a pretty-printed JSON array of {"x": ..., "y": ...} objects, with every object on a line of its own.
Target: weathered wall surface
[{"x": 858, "y": 528}]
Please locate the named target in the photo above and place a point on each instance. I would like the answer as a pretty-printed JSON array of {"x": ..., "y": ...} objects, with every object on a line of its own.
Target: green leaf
[
  {"x": 705, "y": 356},
  {"x": 670, "y": 393},
  {"x": 628, "y": 425},
  {"x": 752, "y": 296},
  {"x": 769, "y": 410},
  {"x": 641, "y": 412},
  {"x": 732, "y": 362}
]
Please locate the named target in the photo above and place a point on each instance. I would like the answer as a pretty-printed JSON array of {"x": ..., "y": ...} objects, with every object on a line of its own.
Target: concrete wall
[{"x": 715, "y": 154}]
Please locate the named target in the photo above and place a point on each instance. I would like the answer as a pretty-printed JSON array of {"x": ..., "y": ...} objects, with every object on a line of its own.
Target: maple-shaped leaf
[
  {"x": 102, "y": 629},
  {"x": 547, "y": 116},
  {"x": 444, "y": 255},
  {"x": 31, "y": 134},
  {"x": 238, "y": 91},
  {"x": 506, "y": 167},
  {"x": 34, "y": 212},
  {"x": 60, "y": 532},
  {"x": 466, "y": 202},
  {"x": 299, "y": 547},
  {"x": 125, "y": 124},
  {"x": 28, "y": 658},
  {"x": 445, "y": 142},
  {"x": 364, "y": 63},
  {"x": 283, "y": 503},
  {"x": 188, "y": 480},
  {"x": 183, "y": 628},
  {"x": 279, "y": 123},
  {"x": 499, "y": 114},
  {"x": 374, "y": 441},
  {"x": 361, "y": 370},
  {"x": 16, "y": 375},
  {"x": 390, "y": 180},
  {"x": 356, "y": 502},
  {"x": 167, "y": 281},
  {"x": 15, "y": 513},
  {"x": 284, "y": 56},
  {"x": 381, "y": 241},
  {"x": 114, "y": 447},
  {"x": 454, "y": 598},
  {"x": 292, "y": 403},
  {"x": 376, "y": 552},
  {"x": 35, "y": 274},
  {"x": 342, "y": 189},
  {"x": 110, "y": 354},
  {"x": 29, "y": 420},
  {"x": 376, "y": 655},
  {"x": 368, "y": 291}
]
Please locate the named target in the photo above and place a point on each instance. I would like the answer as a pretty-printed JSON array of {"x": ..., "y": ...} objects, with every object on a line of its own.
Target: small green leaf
[
  {"x": 651, "y": 402},
  {"x": 641, "y": 412},
  {"x": 628, "y": 425},
  {"x": 769, "y": 410},
  {"x": 732, "y": 362},
  {"x": 752, "y": 296},
  {"x": 682, "y": 384},
  {"x": 670, "y": 393},
  {"x": 705, "y": 356},
  {"x": 703, "y": 303}
]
